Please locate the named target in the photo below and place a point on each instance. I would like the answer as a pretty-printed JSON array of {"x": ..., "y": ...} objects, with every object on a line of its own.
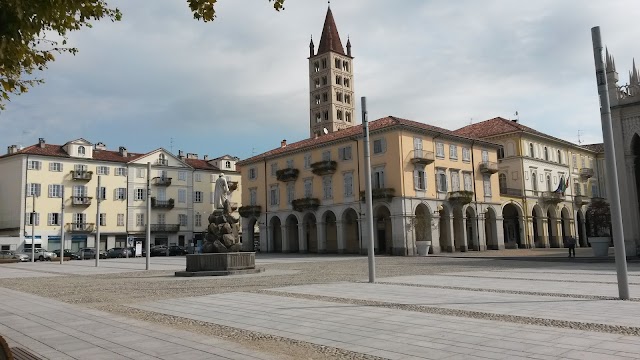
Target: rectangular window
[
  {"x": 440, "y": 150},
  {"x": 466, "y": 154},
  {"x": 253, "y": 174},
  {"x": 79, "y": 219},
  {"x": 182, "y": 219},
  {"x": 34, "y": 165},
  {"x": 594, "y": 190},
  {"x": 379, "y": 146},
  {"x": 182, "y": 196},
  {"x": 344, "y": 153},
  {"x": 327, "y": 187},
  {"x": 79, "y": 191},
  {"x": 33, "y": 189},
  {"x": 197, "y": 177},
  {"x": 574, "y": 160},
  {"x": 197, "y": 196},
  {"x": 253, "y": 196},
  {"x": 103, "y": 219},
  {"x": 326, "y": 155},
  {"x": 139, "y": 219},
  {"x": 487, "y": 185},
  {"x": 377, "y": 182},
  {"x": 290, "y": 192},
  {"x": 80, "y": 168},
  {"x": 55, "y": 166},
  {"x": 120, "y": 219},
  {"x": 485, "y": 156},
  {"x": 455, "y": 181},
  {"x": 162, "y": 219},
  {"x": 307, "y": 161},
  {"x": 120, "y": 171},
  {"x": 274, "y": 169},
  {"x": 441, "y": 181},
  {"x": 121, "y": 194},
  {"x": 182, "y": 175},
  {"x": 290, "y": 164},
  {"x": 468, "y": 183},
  {"x": 348, "y": 184},
  {"x": 53, "y": 219},
  {"x": 273, "y": 195},
  {"x": 308, "y": 188},
  {"x": 453, "y": 152},
  {"x": 32, "y": 218},
  {"x": 419, "y": 178},
  {"x": 55, "y": 191},
  {"x": 102, "y": 193},
  {"x": 102, "y": 170},
  {"x": 139, "y": 194},
  {"x": 198, "y": 220},
  {"x": 140, "y": 172}
]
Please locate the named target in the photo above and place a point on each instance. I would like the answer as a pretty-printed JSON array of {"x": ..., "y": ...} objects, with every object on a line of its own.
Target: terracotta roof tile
[
  {"x": 200, "y": 164},
  {"x": 330, "y": 40},
  {"x": 598, "y": 148},
  {"x": 58, "y": 151},
  {"x": 356, "y": 130}
]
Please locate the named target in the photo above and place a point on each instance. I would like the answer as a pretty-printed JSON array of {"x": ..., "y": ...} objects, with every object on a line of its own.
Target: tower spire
[
  {"x": 635, "y": 79},
  {"x": 330, "y": 39},
  {"x": 311, "y": 48}
]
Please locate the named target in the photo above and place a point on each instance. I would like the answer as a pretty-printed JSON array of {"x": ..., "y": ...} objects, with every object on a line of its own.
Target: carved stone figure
[
  {"x": 222, "y": 232},
  {"x": 221, "y": 192}
]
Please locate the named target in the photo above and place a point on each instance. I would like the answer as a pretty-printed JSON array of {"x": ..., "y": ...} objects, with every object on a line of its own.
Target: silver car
[
  {"x": 9, "y": 254},
  {"x": 41, "y": 254}
]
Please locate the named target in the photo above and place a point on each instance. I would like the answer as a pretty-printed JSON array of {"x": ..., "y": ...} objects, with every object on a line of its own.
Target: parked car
[
  {"x": 41, "y": 254},
  {"x": 119, "y": 252},
  {"x": 10, "y": 254},
  {"x": 175, "y": 250},
  {"x": 88, "y": 253},
  {"x": 159, "y": 250},
  {"x": 67, "y": 253}
]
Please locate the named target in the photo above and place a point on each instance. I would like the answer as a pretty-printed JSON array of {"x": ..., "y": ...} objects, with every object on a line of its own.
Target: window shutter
[
  {"x": 438, "y": 182},
  {"x": 416, "y": 178},
  {"x": 383, "y": 144}
]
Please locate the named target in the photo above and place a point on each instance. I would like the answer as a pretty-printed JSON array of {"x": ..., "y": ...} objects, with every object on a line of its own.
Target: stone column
[
  {"x": 265, "y": 244},
  {"x": 322, "y": 237},
  {"x": 302, "y": 239},
  {"x": 449, "y": 247},
  {"x": 583, "y": 229},
  {"x": 342, "y": 246},
  {"x": 462, "y": 232},
  {"x": 499, "y": 233},
  {"x": 247, "y": 244},
  {"x": 545, "y": 233},
  {"x": 633, "y": 234},
  {"x": 435, "y": 234},
  {"x": 482, "y": 235},
  {"x": 284, "y": 230}
]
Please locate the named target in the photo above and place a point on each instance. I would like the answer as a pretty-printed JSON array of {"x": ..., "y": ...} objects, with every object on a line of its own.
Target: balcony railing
[
  {"x": 421, "y": 157},
  {"x": 163, "y": 162},
  {"x": 461, "y": 197},
  {"x": 305, "y": 204},
  {"x": 586, "y": 173},
  {"x": 250, "y": 210},
  {"x": 581, "y": 200},
  {"x": 324, "y": 167},
  {"x": 488, "y": 167},
  {"x": 552, "y": 197},
  {"x": 162, "y": 204},
  {"x": 168, "y": 228},
  {"x": 287, "y": 175},
  {"x": 76, "y": 227},
  {"x": 81, "y": 200},
  {"x": 162, "y": 181},
  {"x": 379, "y": 194},
  {"x": 510, "y": 192},
  {"x": 81, "y": 175}
]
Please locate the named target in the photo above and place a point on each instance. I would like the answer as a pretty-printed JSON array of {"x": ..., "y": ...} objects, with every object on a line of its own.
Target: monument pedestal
[{"x": 220, "y": 264}]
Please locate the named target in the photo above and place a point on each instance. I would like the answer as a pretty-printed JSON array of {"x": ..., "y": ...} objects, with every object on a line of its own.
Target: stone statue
[
  {"x": 220, "y": 193},
  {"x": 222, "y": 232}
]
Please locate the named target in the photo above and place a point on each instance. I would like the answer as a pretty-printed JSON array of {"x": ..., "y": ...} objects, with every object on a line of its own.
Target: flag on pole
[{"x": 561, "y": 186}]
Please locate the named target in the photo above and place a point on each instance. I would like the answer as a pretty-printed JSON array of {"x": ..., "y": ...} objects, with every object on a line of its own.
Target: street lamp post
[
  {"x": 33, "y": 226},
  {"x": 147, "y": 245},
  {"x": 368, "y": 196}
]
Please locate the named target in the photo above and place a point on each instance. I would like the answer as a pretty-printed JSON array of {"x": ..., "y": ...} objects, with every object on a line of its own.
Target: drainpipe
[
  {"x": 475, "y": 195},
  {"x": 525, "y": 215},
  {"x": 266, "y": 202},
  {"x": 357, "y": 193},
  {"x": 23, "y": 228},
  {"x": 406, "y": 248}
]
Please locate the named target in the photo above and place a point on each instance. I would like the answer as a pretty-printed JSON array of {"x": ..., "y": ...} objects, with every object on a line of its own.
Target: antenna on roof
[
  {"x": 171, "y": 145},
  {"x": 471, "y": 121},
  {"x": 579, "y": 139},
  {"x": 253, "y": 151}
]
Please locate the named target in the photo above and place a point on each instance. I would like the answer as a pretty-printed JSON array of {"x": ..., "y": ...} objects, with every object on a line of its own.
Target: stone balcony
[
  {"x": 305, "y": 204},
  {"x": 165, "y": 228},
  {"x": 81, "y": 200},
  {"x": 551, "y": 197},
  {"x": 162, "y": 181},
  {"x": 80, "y": 227},
  {"x": 379, "y": 194},
  {"x": 162, "y": 204},
  {"x": 460, "y": 197},
  {"x": 422, "y": 157},
  {"x": 287, "y": 175},
  {"x": 81, "y": 175},
  {"x": 586, "y": 173},
  {"x": 250, "y": 211},
  {"x": 488, "y": 167},
  {"x": 581, "y": 200},
  {"x": 326, "y": 167}
]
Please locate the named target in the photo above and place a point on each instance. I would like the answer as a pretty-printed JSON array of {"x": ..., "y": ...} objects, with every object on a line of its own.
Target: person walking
[{"x": 571, "y": 244}]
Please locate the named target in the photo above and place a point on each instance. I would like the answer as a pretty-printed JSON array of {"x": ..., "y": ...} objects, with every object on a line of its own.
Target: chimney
[
  {"x": 123, "y": 151},
  {"x": 515, "y": 120},
  {"x": 206, "y": 158},
  {"x": 12, "y": 149},
  {"x": 192, "y": 156},
  {"x": 180, "y": 154},
  {"x": 283, "y": 143},
  {"x": 100, "y": 146},
  {"x": 41, "y": 142}
]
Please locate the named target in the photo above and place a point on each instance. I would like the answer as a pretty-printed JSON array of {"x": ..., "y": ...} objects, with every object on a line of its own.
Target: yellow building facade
[
  {"x": 429, "y": 185},
  {"x": 51, "y": 192}
]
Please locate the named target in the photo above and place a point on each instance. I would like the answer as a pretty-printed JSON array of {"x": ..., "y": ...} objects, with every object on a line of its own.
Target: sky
[{"x": 240, "y": 84}]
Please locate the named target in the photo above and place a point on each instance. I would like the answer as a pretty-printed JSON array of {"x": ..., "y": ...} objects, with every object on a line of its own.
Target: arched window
[
  {"x": 501, "y": 152},
  {"x": 559, "y": 157},
  {"x": 503, "y": 183},
  {"x": 534, "y": 182},
  {"x": 81, "y": 151},
  {"x": 531, "y": 153},
  {"x": 316, "y": 66},
  {"x": 549, "y": 183},
  {"x": 227, "y": 165},
  {"x": 546, "y": 153}
]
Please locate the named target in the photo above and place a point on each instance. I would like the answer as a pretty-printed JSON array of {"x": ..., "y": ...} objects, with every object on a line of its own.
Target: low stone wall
[{"x": 217, "y": 264}]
